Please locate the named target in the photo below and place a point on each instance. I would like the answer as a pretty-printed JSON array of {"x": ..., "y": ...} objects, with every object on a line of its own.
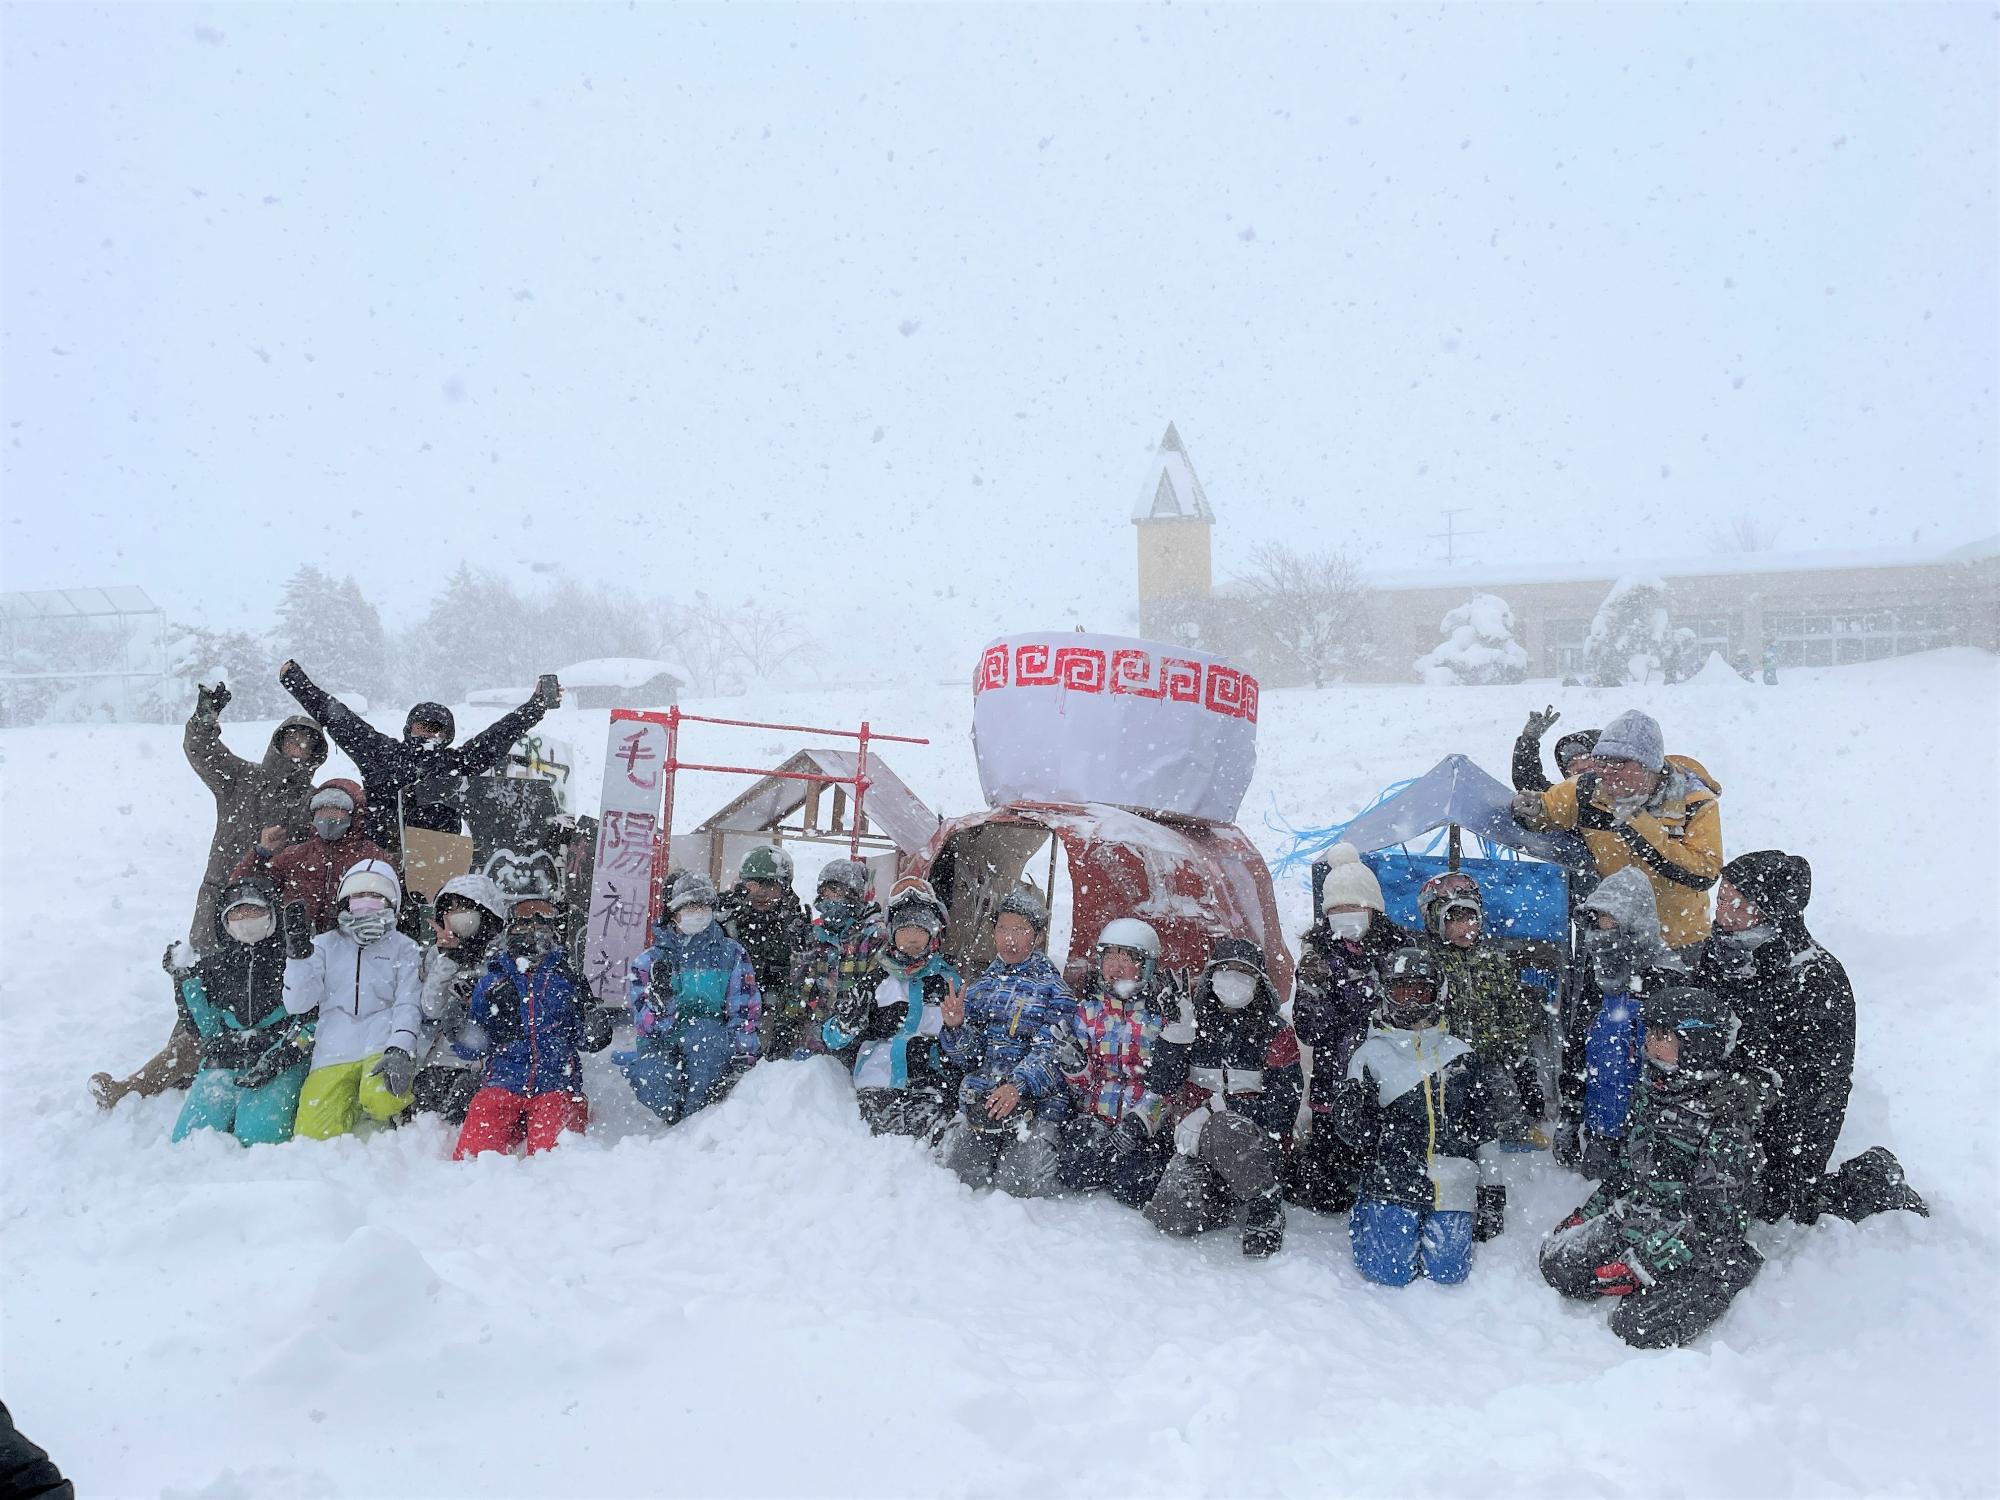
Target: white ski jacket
[{"x": 368, "y": 998}]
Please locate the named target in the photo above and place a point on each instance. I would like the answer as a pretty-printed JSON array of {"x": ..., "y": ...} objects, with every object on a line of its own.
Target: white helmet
[
  {"x": 1138, "y": 937},
  {"x": 372, "y": 877}
]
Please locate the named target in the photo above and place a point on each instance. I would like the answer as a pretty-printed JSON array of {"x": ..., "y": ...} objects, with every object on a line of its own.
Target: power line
[{"x": 1451, "y": 534}]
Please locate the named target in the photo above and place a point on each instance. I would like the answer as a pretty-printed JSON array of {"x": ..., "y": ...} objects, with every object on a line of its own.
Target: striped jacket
[
  {"x": 1015, "y": 1015},
  {"x": 828, "y": 966}
]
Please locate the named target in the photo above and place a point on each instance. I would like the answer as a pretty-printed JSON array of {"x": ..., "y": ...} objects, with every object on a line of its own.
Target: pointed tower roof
[{"x": 1171, "y": 492}]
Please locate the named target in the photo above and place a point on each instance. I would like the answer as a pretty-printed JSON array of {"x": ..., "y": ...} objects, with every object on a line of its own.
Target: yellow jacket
[{"x": 1677, "y": 842}]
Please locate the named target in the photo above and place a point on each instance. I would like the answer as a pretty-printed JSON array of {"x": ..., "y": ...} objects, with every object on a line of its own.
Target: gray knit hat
[{"x": 1633, "y": 736}]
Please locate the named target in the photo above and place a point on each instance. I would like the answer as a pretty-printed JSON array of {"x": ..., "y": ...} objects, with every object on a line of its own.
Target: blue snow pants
[
  {"x": 676, "y": 1074},
  {"x": 256, "y": 1117},
  {"x": 1394, "y": 1245}
]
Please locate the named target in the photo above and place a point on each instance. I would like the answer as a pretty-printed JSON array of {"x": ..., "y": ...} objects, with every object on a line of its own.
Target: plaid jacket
[
  {"x": 826, "y": 967},
  {"x": 1108, "y": 1044},
  {"x": 1014, "y": 1016}
]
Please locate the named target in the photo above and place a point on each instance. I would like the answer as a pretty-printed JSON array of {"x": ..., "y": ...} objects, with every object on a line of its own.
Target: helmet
[
  {"x": 1441, "y": 893},
  {"x": 692, "y": 890},
  {"x": 851, "y": 874},
  {"x": 1700, "y": 1018},
  {"x": 1406, "y": 966},
  {"x": 372, "y": 877},
  {"x": 1136, "y": 937},
  {"x": 1026, "y": 902},
  {"x": 912, "y": 903},
  {"x": 766, "y": 862}
]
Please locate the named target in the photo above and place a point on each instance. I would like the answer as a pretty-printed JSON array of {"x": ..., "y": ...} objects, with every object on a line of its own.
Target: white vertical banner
[{"x": 628, "y": 826}]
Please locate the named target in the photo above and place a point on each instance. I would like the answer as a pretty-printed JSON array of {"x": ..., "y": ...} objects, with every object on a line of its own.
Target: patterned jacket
[
  {"x": 704, "y": 977},
  {"x": 830, "y": 966},
  {"x": 1486, "y": 1003},
  {"x": 1108, "y": 1045},
  {"x": 1686, "y": 1182},
  {"x": 535, "y": 1025},
  {"x": 1014, "y": 1016}
]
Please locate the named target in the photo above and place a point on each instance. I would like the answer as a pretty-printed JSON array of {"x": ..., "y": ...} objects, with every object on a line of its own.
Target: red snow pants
[{"x": 498, "y": 1121}]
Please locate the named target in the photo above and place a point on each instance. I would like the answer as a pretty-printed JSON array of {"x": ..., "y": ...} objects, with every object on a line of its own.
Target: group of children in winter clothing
[{"x": 1703, "y": 1083}]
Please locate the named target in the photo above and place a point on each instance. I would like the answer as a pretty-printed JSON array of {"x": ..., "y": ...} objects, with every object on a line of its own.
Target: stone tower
[{"x": 1174, "y": 526}]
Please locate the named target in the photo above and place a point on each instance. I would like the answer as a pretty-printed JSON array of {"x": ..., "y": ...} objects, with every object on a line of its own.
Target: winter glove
[
  {"x": 1180, "y": 1030},
  {"x": 397, "y": 1070},
  {"x": 1539, "y": 724},
  {"x": 1355, "y": 1110},
  {"x": 1617, "y": 1279},
  {"x": 1131, "y": 1134},
  {"x": 1590, "y": 813},
  {"x": 1187, "y": 1134},
  {"x": 298, "y": 931},
  {"x": 850, "y": 1011},
  {"x": 548, "y": 691},
  {"x": 1662, "y": 1251},
  {"x": 179, "y": 959},
  {"x": 291, "y": 1049},
  {"x": 211, "y": 700},
  {"x": 595, "y": 1036},
  {"x": 1490, "y": 1218}
]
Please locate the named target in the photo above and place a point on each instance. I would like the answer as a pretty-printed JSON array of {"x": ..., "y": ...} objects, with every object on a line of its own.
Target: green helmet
[{"x": 766, "y": 862}]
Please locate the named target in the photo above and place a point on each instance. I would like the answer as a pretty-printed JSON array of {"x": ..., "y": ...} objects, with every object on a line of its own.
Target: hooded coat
[
  {"x": 407, "y": 784},
  {"x": 1418, "y": 1104},
  {"x": 235, "y": 997},
  {"x": 1015, "y": 1018},
  {"x": 1240, "y": 1062},
  {"x": 1612, "y": 1047},
  {"x": 249, "y": 797},
  {"x": 1336, "y": 990},
  {"x": 1675, "y": 840},
  {"x": 1796, "y": 1007},
  {"x": 310, "y": 872},
  {"x": 448, "y": 975},
  {"x": 368, "y": 996}
]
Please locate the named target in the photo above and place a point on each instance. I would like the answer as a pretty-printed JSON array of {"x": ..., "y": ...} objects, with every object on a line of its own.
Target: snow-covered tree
[
  {"x": 198, "y": 654},
  {"x": 1478, "y": 646},
  {"x": 329, "y": 627},
  {"x": 1628, "y": 638}
]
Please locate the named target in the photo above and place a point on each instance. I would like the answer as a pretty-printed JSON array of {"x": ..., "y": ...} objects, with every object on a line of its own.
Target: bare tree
[
  {"x": 1744, "y": 533},
  {"x": 1308, "y": 614},
  {"x": 766, "y": 641}
]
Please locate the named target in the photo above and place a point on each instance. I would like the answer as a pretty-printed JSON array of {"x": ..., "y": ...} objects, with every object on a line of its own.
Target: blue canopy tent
[{"x": 1525, "y": 898}]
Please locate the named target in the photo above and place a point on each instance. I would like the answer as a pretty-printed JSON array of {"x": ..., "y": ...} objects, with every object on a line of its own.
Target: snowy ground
[{"x": 767, "y": 1301}]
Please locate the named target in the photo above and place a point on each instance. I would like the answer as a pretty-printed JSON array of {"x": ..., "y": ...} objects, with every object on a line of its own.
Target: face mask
[
  {"x": 1410, "y": 1016},
  {"x": 1233, "y": 988},
  {"x": 332, "y": 828},
  {"x": 837, "y": 913},
  {"x": 1348, "y": 926},
  {"x": 1124, "y": 989},
  {"x": 462, "y": 924},
  {"x": 531, "y": 939},
  {"x": 1612, "y": 957},
  {"x": 252, "y": 929},
  {"x": 693, "y": 920},
  {"x": 1750, "y": 939},
  {"x": 366, "y": 926},
  {"x": 424, "y": 742}
]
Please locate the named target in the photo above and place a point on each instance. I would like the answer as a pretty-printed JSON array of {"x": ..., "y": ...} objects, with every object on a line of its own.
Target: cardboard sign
[
  {"x": 431, "y": 858},
  {"x": 628, "y": 827},
  {"x": 1070, "y": 717}
]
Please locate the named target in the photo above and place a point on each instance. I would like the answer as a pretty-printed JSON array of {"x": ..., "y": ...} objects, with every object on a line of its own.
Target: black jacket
[
  {"x": 26, "y": 1473},
  {"x": 1228, "y": 1048},
  {"x": 1336, "y": 990},
  {"x": 1420, "y": 1140},
  {"x": 242, "y": 983},
  {"x": 406, "y": 785},
  {"x": 1796, "y": 1007},
  {"x": 770, "y": 938}
]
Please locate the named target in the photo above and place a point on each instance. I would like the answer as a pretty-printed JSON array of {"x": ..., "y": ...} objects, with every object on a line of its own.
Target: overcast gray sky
[{"x": 862, "y": 306}]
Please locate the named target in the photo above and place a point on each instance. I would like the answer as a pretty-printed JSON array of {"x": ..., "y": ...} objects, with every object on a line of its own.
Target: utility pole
[{"x": 1451, "y": 534}]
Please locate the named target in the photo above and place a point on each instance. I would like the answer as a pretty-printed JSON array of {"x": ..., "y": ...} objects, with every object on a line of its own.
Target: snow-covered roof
[
  {"x": 619, "y": 672},
  {"x": 891, "y": 808},
  {"x": 1170, "y": 491},
  {"x": 1730, "y": 564}
]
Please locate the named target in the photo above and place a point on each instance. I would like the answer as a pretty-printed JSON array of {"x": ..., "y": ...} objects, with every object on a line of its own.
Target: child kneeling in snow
[
  {"x": 1229, "y": 1071},
  {"x": 1663, "y": 1233},
  {"x": 533, "y": 1015},
  {"x": 1417, "y": 1104},
  {"x": 887, "y": 1031},
  {"x": 253, "y": 1054},
  {"x": 362, "y": 980},
  {"x": 698, "y": 1013}
]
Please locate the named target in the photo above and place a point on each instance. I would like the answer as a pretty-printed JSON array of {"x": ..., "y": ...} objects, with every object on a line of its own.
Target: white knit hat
[
  {"x": 1349, "y": 882},
  {"x": 372, "y": 877}
]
